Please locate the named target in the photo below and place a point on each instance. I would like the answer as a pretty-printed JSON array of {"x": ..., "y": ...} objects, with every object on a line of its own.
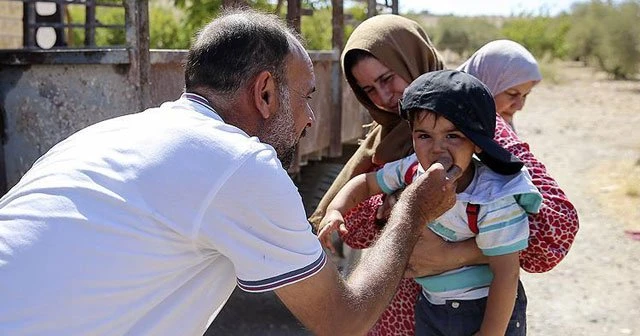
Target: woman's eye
[{"x": 386, "y": 79}]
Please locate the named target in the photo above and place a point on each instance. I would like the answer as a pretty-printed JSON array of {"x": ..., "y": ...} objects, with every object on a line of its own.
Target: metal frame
[{"x": 90, "y": 25}]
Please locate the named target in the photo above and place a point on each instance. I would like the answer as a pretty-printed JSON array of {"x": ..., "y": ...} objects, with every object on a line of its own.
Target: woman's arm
[
  {"x": 554, "y": 228},
  {"x": 362, "y": 226}
]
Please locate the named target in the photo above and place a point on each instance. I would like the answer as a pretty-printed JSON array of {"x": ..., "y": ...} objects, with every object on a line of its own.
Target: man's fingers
[
  {"x": 435, "y": 166},
  {"x": 446, "y": 162},
  {"x": 454, "y": 173}
]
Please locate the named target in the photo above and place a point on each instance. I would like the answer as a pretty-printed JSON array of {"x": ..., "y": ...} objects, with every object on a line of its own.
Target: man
[{"x": 143, "y": 224}]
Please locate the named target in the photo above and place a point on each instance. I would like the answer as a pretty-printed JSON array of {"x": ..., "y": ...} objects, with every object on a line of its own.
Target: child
[{"x": 452, "y": 117}]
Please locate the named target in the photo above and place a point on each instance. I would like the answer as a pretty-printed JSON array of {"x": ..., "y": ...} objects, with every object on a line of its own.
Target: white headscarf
[{"x": 502, "y": 64}]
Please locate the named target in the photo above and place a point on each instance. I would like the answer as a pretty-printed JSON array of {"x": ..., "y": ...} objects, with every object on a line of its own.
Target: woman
[
  {"x": 404, "y": 51},
  {"x": 510, "y": 72},
  {"x": 388, "y": 52}
]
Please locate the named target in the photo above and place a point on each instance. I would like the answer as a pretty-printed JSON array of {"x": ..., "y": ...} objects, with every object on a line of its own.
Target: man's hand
[{"x": 433, "y": 193}]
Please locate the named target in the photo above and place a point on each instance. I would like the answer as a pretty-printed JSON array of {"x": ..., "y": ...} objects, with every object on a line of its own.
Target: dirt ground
[{"x": 584, "y": 128}]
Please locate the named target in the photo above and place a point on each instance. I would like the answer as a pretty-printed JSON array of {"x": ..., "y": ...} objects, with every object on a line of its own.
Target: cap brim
[{"x": 494, "y": 156}]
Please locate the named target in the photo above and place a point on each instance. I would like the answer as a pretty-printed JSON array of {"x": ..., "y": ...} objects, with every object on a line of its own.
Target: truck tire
[{"x": 314, "y": 181}]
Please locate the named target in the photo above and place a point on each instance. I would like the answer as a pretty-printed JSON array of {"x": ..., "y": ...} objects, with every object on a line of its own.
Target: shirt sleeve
[
  {"x": 503, "y": 227},
  {"x": 257, "y": 220},
  {"x": 554, "y": 228},
  {"x": 391, "y": 176}
]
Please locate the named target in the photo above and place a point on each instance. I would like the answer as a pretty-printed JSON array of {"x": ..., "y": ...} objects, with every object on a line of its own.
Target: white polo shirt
[{"x": 142, "y": 224}]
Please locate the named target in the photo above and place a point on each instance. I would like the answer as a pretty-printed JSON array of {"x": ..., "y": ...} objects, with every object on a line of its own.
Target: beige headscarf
[{"x": 404, "y": 47}]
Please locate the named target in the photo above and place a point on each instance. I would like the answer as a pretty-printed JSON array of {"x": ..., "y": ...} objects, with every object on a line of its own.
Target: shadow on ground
[{"x": 250, "y": 314}]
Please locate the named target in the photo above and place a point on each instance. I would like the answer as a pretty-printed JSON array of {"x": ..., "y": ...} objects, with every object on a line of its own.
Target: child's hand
[{"x": 331, "y": 222}]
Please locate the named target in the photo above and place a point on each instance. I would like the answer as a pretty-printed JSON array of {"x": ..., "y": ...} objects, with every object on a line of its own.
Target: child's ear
[{"x": 477, "y": 150}]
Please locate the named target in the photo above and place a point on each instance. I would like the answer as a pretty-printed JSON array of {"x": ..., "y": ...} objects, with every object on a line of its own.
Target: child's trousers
[{"x": 464, "y": 317}]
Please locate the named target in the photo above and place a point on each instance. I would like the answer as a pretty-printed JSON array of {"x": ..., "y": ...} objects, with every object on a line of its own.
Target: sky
[{"x": 486, "y": 7}]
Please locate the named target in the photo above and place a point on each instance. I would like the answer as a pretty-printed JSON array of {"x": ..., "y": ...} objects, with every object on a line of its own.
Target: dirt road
[{"x": 585, "y": 129}]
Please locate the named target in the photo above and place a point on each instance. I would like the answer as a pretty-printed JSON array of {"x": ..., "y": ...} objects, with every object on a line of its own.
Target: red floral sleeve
[
  {"x": 554, "y": 228},
  {"x": 361, "y": 223}
]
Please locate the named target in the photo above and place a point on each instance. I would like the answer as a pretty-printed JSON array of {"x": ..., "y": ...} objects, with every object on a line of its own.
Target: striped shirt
[{"x": 502, "y": 222}]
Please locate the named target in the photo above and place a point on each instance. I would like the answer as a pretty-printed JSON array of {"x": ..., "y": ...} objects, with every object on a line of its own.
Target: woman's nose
[
  {"x": 519, "y": 103},
  {"x": 386, "y": 95}
]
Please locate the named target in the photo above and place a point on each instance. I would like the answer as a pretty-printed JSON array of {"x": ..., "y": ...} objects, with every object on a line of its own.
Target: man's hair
[{"x": 234, "y": 48}]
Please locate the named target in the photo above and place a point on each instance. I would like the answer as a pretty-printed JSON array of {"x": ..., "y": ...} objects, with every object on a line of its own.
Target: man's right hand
[{"x": 433, "y": 193}]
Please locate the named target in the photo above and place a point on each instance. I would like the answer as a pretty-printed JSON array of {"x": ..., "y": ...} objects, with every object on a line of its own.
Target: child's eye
[
  {"x": 453, "y": 136},
  {"x": 423, "y": 136},
  {"x": 386, "y": 79}
]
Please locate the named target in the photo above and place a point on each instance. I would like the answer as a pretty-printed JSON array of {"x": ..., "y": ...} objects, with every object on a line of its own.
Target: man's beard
[{"x": 279, "y": 131}]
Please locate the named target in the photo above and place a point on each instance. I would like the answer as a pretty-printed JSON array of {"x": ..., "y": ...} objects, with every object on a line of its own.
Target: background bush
[{"x": 604, "y": 34}]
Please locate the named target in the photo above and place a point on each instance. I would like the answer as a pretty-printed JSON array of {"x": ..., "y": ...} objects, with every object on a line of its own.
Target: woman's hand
[{"x": 331, "y": 222}]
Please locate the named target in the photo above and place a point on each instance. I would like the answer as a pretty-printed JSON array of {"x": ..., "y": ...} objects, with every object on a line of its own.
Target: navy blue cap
[{"x": 468, "y": 104}]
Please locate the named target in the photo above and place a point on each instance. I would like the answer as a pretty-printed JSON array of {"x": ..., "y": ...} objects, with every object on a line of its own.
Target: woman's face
[
  {"x": 512, "y": 100},
  {"x": 383, "y": 86}
]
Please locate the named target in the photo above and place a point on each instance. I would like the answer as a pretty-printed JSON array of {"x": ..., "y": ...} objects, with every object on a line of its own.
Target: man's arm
[
  {"x": 326, "y": 304},
  {"x": 502, "y": 294}
]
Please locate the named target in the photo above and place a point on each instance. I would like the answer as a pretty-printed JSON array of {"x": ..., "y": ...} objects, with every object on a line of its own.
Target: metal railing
[{"x": 47, "y": 23}]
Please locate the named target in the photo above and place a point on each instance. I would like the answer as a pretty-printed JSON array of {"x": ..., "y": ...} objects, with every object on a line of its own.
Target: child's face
[{"x": 435, "y": 137}]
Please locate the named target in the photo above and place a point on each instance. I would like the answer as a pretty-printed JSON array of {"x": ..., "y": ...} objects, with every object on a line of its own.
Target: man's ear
[
  {"x": 477, "y": 150},
  {"x": 265, "y": 94}
]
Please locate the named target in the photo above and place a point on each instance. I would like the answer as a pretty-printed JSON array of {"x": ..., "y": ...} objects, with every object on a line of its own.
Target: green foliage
[
  {"x": 316, "y": 29},
  {"x": 103, "y": 36},
  {"x": 463, "y": 35},
  {"x": 165, "y": 29},
  {"x": 200, "y": 12},
  {"x": 607, "y": 35},
  {"x": 541, "y": 35}
]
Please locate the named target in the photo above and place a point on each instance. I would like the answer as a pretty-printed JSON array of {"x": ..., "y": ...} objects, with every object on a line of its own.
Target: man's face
[{"x": 294, "y": 114}]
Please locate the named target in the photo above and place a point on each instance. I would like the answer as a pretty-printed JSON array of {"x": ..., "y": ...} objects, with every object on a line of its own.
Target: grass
[{"x": 618, "y": 190}]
